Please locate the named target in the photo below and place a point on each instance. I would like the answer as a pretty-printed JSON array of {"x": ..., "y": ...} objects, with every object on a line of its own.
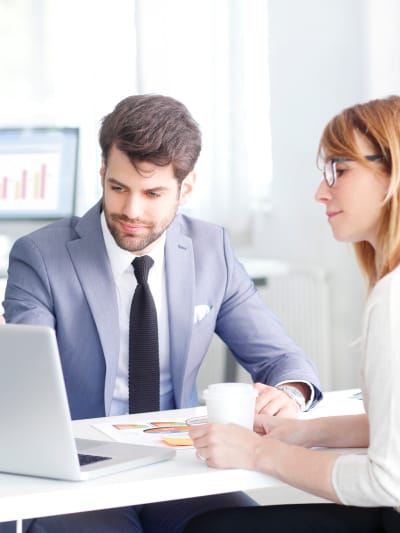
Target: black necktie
[{"x": 144, "y": 367}]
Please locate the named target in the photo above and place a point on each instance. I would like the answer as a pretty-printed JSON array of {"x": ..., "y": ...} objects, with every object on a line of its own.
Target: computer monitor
[{"x": 38, "y": 169}]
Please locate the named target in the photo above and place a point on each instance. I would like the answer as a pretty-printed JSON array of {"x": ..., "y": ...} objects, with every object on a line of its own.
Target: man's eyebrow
[
  {"x": 159, "y": 188},
  {"x": 115, "y": 181}
]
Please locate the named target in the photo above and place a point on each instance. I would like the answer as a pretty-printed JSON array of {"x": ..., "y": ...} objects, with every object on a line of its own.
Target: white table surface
[{"x": 182, "y": 477}]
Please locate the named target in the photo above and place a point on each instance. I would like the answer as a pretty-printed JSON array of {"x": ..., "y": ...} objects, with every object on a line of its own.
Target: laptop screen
[{"x": 38, "y": 168}]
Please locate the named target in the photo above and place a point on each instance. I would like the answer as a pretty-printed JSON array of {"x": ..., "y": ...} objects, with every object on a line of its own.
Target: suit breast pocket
[{"x": 201, "y": 313}]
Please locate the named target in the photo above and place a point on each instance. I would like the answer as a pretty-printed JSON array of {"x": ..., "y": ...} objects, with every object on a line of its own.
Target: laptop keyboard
[{"x": 85, "y": 459}]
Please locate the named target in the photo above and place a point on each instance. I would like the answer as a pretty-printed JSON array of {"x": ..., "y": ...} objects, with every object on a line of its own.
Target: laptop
[{"x": 35, "y": 422}]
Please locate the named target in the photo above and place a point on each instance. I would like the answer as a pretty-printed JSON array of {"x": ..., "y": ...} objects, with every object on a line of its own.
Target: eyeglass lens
[{"x": 329, "y": 173}]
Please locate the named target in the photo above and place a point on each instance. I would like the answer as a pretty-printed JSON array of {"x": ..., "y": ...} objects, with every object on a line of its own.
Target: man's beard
[{"x": 133, "y": 243}]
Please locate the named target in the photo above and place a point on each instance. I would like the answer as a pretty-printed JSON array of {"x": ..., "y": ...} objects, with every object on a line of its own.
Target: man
[{"x": 76, "y": 275}]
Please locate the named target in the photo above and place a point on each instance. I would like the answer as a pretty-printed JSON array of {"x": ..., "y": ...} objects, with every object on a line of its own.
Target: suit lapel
[
  {"x": 179, "y": 271},
  {"x": 91, "y": 263}
]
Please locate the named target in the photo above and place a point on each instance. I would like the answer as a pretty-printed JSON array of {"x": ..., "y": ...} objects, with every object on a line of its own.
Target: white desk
[{"x": 183, "y": 477}]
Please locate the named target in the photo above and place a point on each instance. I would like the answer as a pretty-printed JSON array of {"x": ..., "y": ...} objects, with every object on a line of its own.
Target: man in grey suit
[{"x": 76, "y": 276}]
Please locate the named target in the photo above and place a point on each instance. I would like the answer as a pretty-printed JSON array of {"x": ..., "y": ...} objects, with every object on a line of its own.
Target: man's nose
[{"x": 134, "y": 207}]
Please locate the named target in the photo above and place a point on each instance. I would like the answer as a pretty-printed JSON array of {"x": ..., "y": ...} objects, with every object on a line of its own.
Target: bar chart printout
[{"x": 29, "y": 181}]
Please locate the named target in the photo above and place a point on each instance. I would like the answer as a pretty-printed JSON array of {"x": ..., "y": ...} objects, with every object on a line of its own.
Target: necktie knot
[{"x": 141, "y": 267}]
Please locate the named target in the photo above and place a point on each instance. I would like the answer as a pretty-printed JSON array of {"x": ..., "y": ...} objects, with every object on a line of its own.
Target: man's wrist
[
  {"x": 305, "y": 387},
  {"x": 294, "y": 394}
]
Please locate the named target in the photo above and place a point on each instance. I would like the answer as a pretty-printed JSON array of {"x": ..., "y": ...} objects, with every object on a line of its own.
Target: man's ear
[
  {"x": 102, "y": 172},
  {"x": 187, "y": 187}
]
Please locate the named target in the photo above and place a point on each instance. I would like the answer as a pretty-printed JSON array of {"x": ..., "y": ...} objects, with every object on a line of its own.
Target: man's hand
[
  {"x": 2, "y": 320},
  {"x": 274, "y": 402}
]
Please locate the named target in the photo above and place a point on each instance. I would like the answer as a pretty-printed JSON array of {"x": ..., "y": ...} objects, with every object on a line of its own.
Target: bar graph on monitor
[{"x": 37, "y": 172}]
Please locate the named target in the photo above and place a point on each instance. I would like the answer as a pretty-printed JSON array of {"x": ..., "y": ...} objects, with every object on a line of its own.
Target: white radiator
[{"x": 299, "y": 296}]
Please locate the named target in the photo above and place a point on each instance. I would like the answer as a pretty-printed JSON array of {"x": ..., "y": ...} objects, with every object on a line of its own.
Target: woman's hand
[
  {"x": 225, "y": 445},
  {"x": 233, "y": 446},
  {"x": 284, "y": 429}
]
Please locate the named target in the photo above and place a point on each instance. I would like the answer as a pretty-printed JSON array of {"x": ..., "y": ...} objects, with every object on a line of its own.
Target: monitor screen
[{"x": 38, "y": 168}]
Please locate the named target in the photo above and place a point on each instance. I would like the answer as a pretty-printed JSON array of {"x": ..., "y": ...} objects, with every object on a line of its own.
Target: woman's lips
[{"x": 332, "y": 214}]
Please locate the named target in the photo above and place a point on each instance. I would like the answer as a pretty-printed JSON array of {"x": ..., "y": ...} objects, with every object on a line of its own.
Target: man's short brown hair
[{"x": 153, "y": 128}]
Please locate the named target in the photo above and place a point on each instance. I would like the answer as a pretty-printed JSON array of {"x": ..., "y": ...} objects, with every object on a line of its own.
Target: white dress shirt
[{"x": 125, "y": 284}]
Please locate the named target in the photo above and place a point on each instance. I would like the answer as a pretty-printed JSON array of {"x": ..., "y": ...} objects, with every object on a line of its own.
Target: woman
[{"x": 360, "y": 150}]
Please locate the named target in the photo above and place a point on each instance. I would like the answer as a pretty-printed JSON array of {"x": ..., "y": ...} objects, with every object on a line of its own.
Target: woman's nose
[{"x": 323, "y": 192}]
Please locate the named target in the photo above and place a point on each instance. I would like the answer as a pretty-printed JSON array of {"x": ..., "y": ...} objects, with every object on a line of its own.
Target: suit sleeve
[
  {"x": 254, "y": 334},
  {"x": 28, "y": 297}
]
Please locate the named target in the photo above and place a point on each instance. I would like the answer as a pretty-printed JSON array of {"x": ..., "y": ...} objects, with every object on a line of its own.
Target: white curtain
[
  {"x": 68, "y": 62},
  {"x": 383, "y": 48},
  {"x": 213, "y": 56}
]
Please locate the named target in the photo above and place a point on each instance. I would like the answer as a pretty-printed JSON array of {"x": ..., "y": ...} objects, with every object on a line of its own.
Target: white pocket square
[{"x": 200, "y": 311}]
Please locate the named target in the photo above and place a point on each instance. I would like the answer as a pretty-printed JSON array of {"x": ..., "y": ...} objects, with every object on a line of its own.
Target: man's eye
[
  {"x": 153, "y": 194},
  {"x": 117, "y": 188}
]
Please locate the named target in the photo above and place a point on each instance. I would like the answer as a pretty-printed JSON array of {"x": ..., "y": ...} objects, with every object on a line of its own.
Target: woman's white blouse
[{"x": 374, "y": 479}]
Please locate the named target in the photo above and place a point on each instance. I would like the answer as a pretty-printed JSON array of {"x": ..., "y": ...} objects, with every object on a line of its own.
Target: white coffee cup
[{"x": 231, "y": 403}]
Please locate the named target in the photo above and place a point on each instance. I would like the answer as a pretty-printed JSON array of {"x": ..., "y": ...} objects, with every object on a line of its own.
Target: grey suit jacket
[{"x": 60, "y": 276}]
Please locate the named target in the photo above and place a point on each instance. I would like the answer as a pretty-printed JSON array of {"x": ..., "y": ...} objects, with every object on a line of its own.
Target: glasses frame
[{"x": 329, "y": 169}]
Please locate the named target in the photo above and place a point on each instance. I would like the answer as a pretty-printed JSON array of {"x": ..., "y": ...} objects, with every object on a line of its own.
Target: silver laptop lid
[
  {"x": 34, "y": 413},
  {"x": 37, "y": 437}
]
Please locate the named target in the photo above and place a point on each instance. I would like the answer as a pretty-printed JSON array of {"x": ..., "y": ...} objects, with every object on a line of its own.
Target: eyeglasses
[{"x": 329, "y": 169}]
